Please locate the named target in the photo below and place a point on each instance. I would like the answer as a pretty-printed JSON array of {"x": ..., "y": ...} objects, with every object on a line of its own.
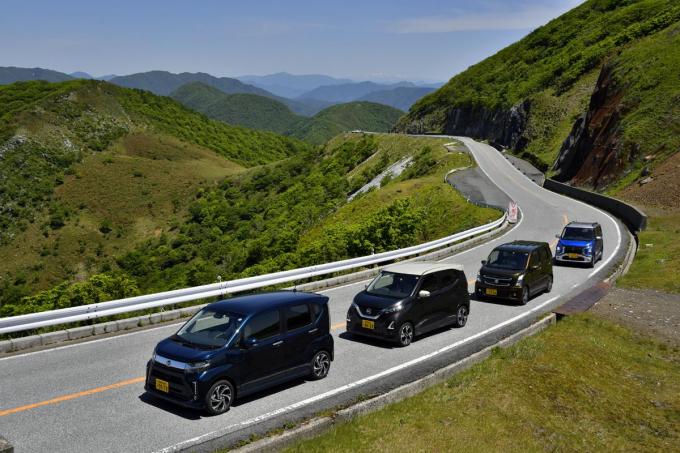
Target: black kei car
[
  {"x": 410, "y": 299},
  {"x": 242, "y": 345},
  {"x": 517, "y": 270}
]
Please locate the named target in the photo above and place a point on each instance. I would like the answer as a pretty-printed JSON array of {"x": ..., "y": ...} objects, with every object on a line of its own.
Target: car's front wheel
[
  {"x": 548, "y": 286},
  {"x": 405, "y": 334},
  {"x": 321, "y": 363},
  {"x": 219, "y": 398},
  {"x": 461, "y": 316},
  {"x": 525, "y": 296}
]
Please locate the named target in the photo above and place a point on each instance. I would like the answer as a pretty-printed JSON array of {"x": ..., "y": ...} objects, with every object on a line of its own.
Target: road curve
[{"x": 89, "y": 396}]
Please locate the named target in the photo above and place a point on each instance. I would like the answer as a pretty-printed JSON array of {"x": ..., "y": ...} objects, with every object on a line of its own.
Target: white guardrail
[{"x": 114, "y": 307}]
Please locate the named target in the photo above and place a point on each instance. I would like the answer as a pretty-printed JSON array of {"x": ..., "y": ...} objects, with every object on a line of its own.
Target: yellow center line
[{"x": 71, "y": 396}]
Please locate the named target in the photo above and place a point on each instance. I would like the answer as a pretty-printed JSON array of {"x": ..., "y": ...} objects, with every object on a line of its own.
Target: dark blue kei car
[
  {"x": 240, "y": 346},
  {"x": 580, "y": 242}
]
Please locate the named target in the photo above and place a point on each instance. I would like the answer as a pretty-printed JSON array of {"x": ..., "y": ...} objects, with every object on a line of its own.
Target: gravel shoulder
[{"x": 649, "y": 312}]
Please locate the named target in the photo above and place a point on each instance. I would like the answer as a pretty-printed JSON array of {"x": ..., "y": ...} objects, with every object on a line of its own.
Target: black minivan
[
  {"x": 517, "y": 270},
  {"x": 240, "y": 346},
  {"x": 410, "y": 299}
]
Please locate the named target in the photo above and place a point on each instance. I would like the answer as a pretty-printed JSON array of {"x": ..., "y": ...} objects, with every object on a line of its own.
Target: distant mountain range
[
  {"x": 303, "y": 94},
  {"x": 290, "y": 85},
  {"x": 260, "y": 112}
]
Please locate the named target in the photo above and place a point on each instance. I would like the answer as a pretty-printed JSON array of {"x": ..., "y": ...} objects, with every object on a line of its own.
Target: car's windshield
[
  {"x": 508, "y": 259},
  {"x": 578, "y": 234},
  {"x": 391, "y": 284},
  {"x": 209, "y": 328}
]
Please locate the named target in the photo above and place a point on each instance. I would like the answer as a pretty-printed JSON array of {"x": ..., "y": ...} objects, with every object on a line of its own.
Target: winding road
[{"x": 89, "y": 396}]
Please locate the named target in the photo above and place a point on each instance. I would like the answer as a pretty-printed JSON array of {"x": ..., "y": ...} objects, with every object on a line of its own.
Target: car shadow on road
[
  {"x": 505, "y": 302},
  {"x": 188, "y": 414},
  {"x": 386, "y": 344},
  {"x": 194, "y": 414}
]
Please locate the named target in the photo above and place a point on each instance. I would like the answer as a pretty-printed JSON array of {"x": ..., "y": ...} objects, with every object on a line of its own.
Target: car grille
[
  {"x": 178, "y": 383},
  {"x": 497, "y": 281},
  {"x": 573, "y": 249},
  {"x": 369, "y": 312}
]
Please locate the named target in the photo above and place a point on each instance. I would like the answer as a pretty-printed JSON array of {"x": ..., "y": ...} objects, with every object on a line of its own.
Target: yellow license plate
[
  {"x": 163, "y": 386},
  {"x": 492, "y": 292},
  {"x": 366, "y": 324},
  {"x": 572, "y": 255}
]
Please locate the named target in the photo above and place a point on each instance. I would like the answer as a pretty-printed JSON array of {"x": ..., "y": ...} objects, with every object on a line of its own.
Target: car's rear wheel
[
  {"x": 525, "y": 296},
  {"x": 405, "y": 334},
  {"x": 219, "y": 398},
  {"x": 461, "y": 316},
  {"x": 321, "y": 364},
  {"x": 548, "y": 286}
]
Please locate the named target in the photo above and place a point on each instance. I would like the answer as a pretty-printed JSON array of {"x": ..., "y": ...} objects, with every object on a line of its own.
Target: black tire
[
  {"x": 525, "y": 296},
  {"x": 405, "y": 334},
  {"x": 219, "y": 398},
  {"x": 592, "y": 263},
  {"x": 461, "y": 316},
  {"x": 321, "y": 364},
  {"x": 548, "y": 286}
]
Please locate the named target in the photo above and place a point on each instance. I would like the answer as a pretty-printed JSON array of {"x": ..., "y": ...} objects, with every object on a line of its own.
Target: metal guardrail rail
[{"x": 114, "y": 307}]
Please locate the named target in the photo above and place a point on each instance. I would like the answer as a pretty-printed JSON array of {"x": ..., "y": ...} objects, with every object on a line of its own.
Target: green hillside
[
  {"x": 278, "y": 216},
  {"x": 547, "y": 77},
  {"x": 248, "y": 110},
  {"x": 339, "y": 118},
  {"x": 259, "y": 112},
  {"x": 89, "y": 169}
]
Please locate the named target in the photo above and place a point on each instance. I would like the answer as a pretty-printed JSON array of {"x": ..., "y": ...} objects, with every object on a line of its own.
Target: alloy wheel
[
  {"x": 406, "y": 334},
  {"x": 461, "y": 316},
  {"x": 320, "y": 365},
  {"x": 220, "y": 398}
]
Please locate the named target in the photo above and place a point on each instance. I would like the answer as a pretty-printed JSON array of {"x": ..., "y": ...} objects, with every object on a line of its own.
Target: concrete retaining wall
[{"x": 634, "y": 219}]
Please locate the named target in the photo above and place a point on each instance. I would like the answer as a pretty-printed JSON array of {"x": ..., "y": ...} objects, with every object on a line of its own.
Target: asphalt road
[{"x": 89, "y": 396}]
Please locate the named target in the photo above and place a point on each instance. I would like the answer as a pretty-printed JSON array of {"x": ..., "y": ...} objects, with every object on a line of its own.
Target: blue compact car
[
  {"x": 580, "y": 242},
  {"x": 240, "y": 346}
]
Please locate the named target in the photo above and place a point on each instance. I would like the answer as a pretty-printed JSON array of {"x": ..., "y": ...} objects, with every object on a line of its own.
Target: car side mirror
[
  {"x": 423, "y": 293},
  {"x": 483, "y": 262},
  {"x": 366, "y": 286},
  {"x": 558, "y": 236}
]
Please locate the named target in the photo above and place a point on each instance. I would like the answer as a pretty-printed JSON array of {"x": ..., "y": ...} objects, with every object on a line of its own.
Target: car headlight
[
  {"x": 560, "y": 248},
  {"x": 518, "y": 283},
  {"x": 153, "y": 356},
  {"x": 588, "y": 249},
  {"x": 479, "y": 277},
  {"x": 197, "y": 367},
  {"x": 393, "y": 308},
  {"x": 355, "y": 306}
]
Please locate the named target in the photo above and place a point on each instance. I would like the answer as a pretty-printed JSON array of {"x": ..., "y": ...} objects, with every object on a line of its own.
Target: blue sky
[{"x": 369, "y": 39}]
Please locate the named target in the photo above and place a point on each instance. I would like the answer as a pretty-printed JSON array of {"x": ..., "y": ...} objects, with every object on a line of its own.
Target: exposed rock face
[
  {"x": 504, "y": 127},
  {"x": 594, "y": 154}
]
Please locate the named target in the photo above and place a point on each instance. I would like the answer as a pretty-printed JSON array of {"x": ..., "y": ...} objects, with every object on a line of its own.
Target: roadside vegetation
[
  {"x": 585, "y": 384},
  {"x": 153, "y": 213}
]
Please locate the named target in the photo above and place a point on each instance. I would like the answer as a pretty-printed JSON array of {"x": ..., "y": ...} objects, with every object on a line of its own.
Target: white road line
[{"x": 351, "y": 385}]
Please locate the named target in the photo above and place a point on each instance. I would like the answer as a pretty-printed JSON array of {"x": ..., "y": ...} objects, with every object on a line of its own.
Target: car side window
[
  {"x": 430, "y": 283},
  {"x": 448, "y": 278},
  {"x": 263, "y": 326},
  {"x": 545, "y": 254},
  {"x": 298, "y": 316},
  {"x": 535, "y": 259}
]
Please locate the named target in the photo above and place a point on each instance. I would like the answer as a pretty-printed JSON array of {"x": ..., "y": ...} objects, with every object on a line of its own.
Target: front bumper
[
  {"x": 502, "y": 292},
  {"x": 573, "y": 258},
  {"x": 183, "y": 390},
  {"x": 383, "y": 328}
]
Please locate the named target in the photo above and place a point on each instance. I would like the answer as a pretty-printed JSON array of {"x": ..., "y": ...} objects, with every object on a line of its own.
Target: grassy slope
[
  {"x": 583, "y": 385},
  {"x": 553, "y": 67},
  {"x": 248, "y": 110},
  {"x": 100, "y": 168},
  {"x": 447, "y": 210},
  {"x": 345, "y": 117}
]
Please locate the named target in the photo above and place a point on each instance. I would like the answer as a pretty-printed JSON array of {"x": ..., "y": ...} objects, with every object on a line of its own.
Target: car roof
[
  {"x": 522, "y": 245},
  {"x": 582, "y": 224},
  {"x": 255, "y": 303},
  {"x": 421, "y": 267}
]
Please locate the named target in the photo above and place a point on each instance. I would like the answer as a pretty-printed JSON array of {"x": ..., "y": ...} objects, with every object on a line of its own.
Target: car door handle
[
  {"x": 278, "y": 343},
  {"x": 313, "y": 330}
]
